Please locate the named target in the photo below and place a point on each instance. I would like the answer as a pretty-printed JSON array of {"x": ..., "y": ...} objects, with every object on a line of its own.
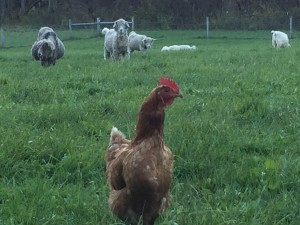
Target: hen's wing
[{"x": 115, "y": 154}]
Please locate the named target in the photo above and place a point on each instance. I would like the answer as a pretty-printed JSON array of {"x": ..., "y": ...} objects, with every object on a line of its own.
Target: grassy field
[{"x": 234, "y": 135}]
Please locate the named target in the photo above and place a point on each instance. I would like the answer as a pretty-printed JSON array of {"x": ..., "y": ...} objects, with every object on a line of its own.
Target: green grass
[{"x": 234, "y": 135}]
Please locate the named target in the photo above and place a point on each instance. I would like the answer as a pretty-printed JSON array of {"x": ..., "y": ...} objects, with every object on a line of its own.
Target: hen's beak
[{"x": 179, "y": 95}]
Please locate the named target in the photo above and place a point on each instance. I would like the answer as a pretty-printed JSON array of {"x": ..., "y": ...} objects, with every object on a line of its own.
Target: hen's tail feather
[
  {"x": 117, "y": 137},
  {"x": 117, "y": 146}
]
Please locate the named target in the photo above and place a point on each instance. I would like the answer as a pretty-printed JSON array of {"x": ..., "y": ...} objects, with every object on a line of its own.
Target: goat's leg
[
  {"x": 106, "y": 54},
  {"x": 127, "y": 54},
  {"x": 115, "y": 55}
]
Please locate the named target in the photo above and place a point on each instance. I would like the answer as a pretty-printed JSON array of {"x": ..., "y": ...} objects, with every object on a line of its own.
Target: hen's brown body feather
[{"x": 139, "y": 172}]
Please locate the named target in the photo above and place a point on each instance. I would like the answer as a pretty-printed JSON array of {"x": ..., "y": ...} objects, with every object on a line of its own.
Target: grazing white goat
[
  {"x": 280, "y": 39},
  {"x": 138, "y": 42},
  {"x": 48, "y": 47},
  {"x": 178, "y": 48},
  {"x": 116, "y": 41}
]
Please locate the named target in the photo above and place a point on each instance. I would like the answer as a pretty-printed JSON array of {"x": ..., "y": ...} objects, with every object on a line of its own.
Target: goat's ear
[
  {"x": 127, "y": 24},
  {"x": 115, "y": 26}
]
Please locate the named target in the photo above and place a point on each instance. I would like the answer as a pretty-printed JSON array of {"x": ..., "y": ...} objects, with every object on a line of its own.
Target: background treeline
[{"x": 234, "y": 14}]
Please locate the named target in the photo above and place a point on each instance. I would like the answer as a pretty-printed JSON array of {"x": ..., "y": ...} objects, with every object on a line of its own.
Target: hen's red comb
[{"x": 168, "y": 82}]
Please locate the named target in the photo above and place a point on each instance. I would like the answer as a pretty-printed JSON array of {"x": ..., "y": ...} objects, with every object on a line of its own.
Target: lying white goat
[
  {"x": 138, "y": 42},
  {"x": 48, "y": 47},
  {"x": 116, "y": 41},
  {"x": 280, "y": 39},
  {"x": 178, "y": 48}
]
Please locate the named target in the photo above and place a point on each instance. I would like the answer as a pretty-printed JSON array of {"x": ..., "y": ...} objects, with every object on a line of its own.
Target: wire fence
[
  {"x": 229, "y": 22},
  {"x": 207, "y": 27},
  {"x": 99, "y": 24}
]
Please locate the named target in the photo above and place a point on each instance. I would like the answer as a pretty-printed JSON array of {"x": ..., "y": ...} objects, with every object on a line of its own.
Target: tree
[
  {"x": 23, "y": 7},
  {"x": 52, "y": 4},
  {"x": 3, "y": 8},
  {"x": 167, "y": 13}
]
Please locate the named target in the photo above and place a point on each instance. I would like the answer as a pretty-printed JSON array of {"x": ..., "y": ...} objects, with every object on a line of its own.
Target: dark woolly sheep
[{"x": 48, "y": 47}]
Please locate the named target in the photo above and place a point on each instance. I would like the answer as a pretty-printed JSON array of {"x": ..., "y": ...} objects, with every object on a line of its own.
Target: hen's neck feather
[{"x": 151, "y": 119}]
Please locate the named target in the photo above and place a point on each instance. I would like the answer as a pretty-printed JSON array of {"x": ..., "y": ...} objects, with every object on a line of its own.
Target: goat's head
[
  {"x": 148, "y": 41},
  {"x": 46, "y": 53},
  {"x": 121, "y": 26}
]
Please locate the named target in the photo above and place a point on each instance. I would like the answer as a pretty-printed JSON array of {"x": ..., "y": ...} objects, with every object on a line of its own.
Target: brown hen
[{"x": 139, "y": 172}]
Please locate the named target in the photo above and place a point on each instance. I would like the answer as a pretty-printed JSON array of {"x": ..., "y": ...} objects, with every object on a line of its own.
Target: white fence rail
[{"x": 98, "y": 24}]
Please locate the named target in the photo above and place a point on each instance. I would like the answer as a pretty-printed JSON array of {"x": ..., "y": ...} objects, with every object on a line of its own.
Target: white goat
[
  {"x": 178, "y": 48},
  {"x": 48, "y": 47},
  {"x": 138, "y": 42},
  {"x": 116, "y": 41},
  {"x": 280, "y": 39}
]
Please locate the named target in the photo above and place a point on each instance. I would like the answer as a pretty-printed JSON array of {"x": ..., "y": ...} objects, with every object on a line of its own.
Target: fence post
[
  {"x": 98, "y": 23},
  {"x": 70, "y": 25},
  {"x": 291, "y": 25},
  {"x": 132, "y": 23},
  {"x": 207, "y": 26},
  {"x": 2, "y": 38}
]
